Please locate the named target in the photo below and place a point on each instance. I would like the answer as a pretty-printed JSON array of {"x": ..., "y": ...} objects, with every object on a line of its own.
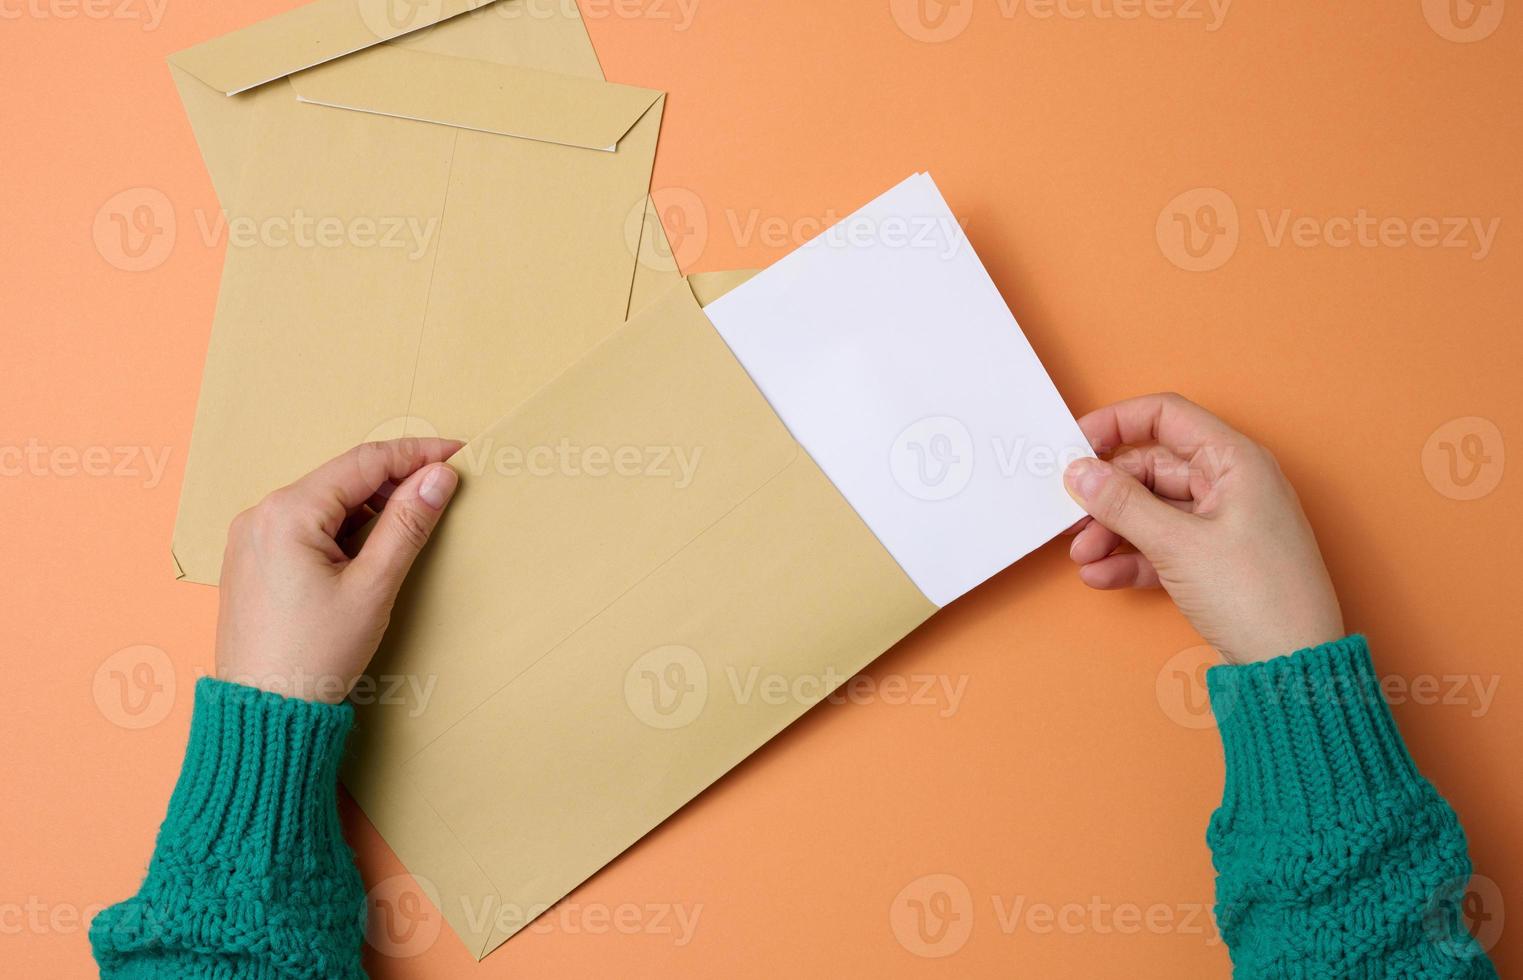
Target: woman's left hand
[{"x": 301, "y": 616}]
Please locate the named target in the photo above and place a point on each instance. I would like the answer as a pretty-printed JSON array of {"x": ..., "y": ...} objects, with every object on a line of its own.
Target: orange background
[{"x": 1066, "y": 776}]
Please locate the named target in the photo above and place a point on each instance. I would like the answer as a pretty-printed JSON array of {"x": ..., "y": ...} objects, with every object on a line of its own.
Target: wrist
[{"x": 297, "y": 683}]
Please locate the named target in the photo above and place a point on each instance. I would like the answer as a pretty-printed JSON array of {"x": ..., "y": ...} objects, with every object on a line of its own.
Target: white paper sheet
[{"x": 887, "y": 351}]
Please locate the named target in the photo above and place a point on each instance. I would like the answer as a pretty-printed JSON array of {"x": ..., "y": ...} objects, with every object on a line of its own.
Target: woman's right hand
[{"x": 1212, "y": 520}]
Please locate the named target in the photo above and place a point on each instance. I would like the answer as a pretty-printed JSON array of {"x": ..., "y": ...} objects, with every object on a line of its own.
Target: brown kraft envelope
[
  {"x": 435, "y": 220},
  {"x": 580, "y": 631}
]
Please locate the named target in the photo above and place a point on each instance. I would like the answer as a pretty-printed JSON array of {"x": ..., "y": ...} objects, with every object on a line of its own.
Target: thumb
[
  {"x": 1121, "y": 504},
  {"x": 404, "y": 526}
]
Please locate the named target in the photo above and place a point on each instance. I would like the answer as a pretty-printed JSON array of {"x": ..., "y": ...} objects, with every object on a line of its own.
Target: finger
[
  {"x": 1171, "y": 420},
  {"x": 1079, "y": 525},
  {"x": 1117, "y": 501},
  {"x": 1093, "y": 543},
  {"x": 1127, "y": 571},
  {"x": 345, "y": 482},
  {"x": 348, "y": 535},
  {"x": 404, "y": 527},
  {"x": 1158, "y": 469}
]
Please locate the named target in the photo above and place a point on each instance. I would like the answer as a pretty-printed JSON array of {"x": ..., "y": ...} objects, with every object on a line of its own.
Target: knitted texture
[
  {"x": 250, "y": 876},
  {"x": 1335, "y": 857}
]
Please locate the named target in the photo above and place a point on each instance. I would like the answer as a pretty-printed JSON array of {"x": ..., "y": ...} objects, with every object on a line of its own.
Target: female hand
[
  {"x": 301, "y": 616},
  {"x": 1213, "y": 521}
]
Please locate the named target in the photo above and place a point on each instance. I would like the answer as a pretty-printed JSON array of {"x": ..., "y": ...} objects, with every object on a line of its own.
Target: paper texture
[
  {"x": 590, "y": 636},
  {"x": 890, "y": 355},
  {"x": 420, "y": 233}
]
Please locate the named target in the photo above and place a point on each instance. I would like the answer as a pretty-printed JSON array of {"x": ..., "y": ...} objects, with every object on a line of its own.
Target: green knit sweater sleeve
[
  {"x": 250, "y": 876},
  {"x": 1335, "y": 858}
]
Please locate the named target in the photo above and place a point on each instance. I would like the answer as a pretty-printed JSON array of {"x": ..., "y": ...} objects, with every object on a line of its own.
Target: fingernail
[
  {"x": 1084, "y": 478},
  {"x": 438, "y": 485}
]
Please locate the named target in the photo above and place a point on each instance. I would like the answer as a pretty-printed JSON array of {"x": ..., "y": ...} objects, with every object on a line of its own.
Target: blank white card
[{"x": 887, "y": 351}]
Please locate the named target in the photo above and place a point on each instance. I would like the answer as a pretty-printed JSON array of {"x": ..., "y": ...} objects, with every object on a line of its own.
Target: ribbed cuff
[
  {"x": 258, "y": 791},
  {"x": 1308, "y": 737}
]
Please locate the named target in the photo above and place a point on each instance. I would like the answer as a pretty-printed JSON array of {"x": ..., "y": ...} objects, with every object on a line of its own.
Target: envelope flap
[
  {"x": 481, "y": 95},
  {"x": 308, "y": 36}
]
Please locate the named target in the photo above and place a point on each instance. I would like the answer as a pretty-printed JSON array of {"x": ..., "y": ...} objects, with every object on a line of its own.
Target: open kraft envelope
[
  {"x": 593, "y": 640},
  {"x": 427, "y": 220}
]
